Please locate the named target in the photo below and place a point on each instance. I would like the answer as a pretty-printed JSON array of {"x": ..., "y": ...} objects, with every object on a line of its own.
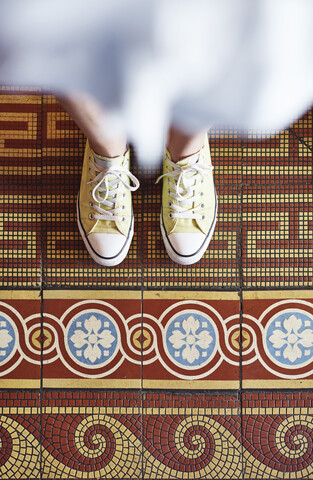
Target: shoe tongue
[
  {"x": 106, "y": 162},
  {"x": 188, "y": 161}
]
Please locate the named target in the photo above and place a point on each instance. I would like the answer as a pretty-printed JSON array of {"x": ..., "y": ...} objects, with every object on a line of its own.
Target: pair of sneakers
[{"x": 105, "y": 215}]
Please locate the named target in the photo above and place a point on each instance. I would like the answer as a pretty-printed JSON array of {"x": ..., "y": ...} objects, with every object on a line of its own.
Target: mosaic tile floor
[{"x": 206, "y": 371}]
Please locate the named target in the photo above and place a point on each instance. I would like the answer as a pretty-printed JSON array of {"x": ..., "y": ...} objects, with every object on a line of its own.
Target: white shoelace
[
  {"x": 106, "y": 182},
  {"x": 185, "y": 183}
]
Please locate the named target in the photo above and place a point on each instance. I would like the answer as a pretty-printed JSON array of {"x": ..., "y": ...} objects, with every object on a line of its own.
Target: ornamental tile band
[
  {"x": 173, "y": 341},
  {"x": 197, "y": 435}
]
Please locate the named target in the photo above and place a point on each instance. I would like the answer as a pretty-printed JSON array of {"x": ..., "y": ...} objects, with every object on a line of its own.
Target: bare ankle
[{"x": 108, "y": 150}]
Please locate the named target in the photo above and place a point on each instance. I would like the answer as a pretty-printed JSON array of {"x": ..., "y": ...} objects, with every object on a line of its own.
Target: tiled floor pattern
[
  {"x": 131, "y": 434},
  {"x": 150, "y": 369}
]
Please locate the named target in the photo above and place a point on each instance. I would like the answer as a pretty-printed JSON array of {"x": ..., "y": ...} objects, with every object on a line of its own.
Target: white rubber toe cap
[
  {"x": 186, "y": 243},
  {"x": 106, "y": 245}
]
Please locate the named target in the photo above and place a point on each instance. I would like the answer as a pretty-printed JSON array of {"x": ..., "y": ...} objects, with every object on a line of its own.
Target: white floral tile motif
[
  {"x": 289, "y": 339},
  {"x": 92, "y": 339},
  {"x": 191, "y": 340},
  {"x": 7, "y": 339}
]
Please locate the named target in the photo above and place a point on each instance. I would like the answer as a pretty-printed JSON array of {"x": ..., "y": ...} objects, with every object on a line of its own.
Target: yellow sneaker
[
  {"x": 104, "y": 207},
  {"x": 189, "y": 206}
]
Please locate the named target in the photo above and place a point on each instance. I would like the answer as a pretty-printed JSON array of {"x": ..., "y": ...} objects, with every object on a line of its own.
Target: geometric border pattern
[
  {"x": 265, "y": 208},
  {"x": 176, "y": 341}
]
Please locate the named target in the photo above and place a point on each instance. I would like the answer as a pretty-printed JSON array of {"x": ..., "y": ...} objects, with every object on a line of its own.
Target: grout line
[
  {"x": 41, "y": 299},
  {"x": 141, "y": 245},
  {"x": 144, "y": 194},
  {"x": 141, "y": 365},
  {"x": 292, "y": 131},
  {"x": 241, "y": 287}
]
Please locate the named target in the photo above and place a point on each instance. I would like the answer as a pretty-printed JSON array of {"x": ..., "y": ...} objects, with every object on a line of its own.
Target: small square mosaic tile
[{"x": 151, "y": 370}]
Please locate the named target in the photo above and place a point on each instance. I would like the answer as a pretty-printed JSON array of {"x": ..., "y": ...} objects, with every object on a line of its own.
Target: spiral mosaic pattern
[
  {"x": 19, "y": 449},
  {"x": 109, "y": 435},
  {"x": 289, "y": 449}
]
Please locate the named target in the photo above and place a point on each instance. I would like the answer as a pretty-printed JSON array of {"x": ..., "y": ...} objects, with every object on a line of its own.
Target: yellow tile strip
[
  {"x": 59, "y": 410},
  {"x": 59, "y": 152},
  {"x": 19, "y": 295},
  {"x": 192, "y": 384},
  {"x": 188, "y": 294},
  {"x": 90, "y": 383},
  {"x": 92, "y": 294},
  {"x": 17, "y": 170},
  {"x": 19, "y": 383},
  {"x": 277, "y": 383},
  {"x": 27, "y": 199},
  {"x": 20, "y": 152},
  {"x": 278, "y": 294},
  {"x": 281, "y": 197},
  {"x": 204, "y": 385},
  {"x": 154, "y": 295},
  {"x": 30, "y": 99},
  {"x": 138, "y": 410},
  {"x": 278, "y": 170}
]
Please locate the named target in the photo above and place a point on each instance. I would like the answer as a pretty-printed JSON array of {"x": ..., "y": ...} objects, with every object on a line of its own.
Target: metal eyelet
[
  {"x": 170, "y": 215},
  {"x": 123, "y": 219},
  {"x": 169, "y": 204},
  {"x": 168, "y": 191},
  {"x": 202, "y": 205},
  {"x": 201, "y": 194},
  {"x": 124, "y": 195},
  {"x": 90, "y": 193},
  {"x": 90, "y": 204},
  {"x": 91, "y": 217},
  {"x": 123, "y": 207},
  {"x": 203, "y": 217}
]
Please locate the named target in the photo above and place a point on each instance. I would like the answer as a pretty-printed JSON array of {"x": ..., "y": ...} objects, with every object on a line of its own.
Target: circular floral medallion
[
  {"x": 289, "y": 339},
  {"x": 92, "y": 339},
  {"x": 190, "y": 339},
  {"x": 8, "y": 339}
]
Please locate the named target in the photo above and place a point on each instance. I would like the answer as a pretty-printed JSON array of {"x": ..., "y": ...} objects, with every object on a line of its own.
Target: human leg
[
  {"x": 181, "y": 144},
  {"x": 104, "y": 209},
  {"x": 189, "y": 202},
  {"x": 105, "y": 221},
  {"x": 90, "y": 117}
]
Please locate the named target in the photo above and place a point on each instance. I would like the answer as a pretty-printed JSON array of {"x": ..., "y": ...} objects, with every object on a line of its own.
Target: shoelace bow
[
  {"x": 106, "y": 183},
  {"x": 184, "y": 186}
]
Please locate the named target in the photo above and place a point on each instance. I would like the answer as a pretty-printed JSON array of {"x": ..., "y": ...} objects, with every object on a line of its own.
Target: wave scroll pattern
[{"x": 168, "y": 446}]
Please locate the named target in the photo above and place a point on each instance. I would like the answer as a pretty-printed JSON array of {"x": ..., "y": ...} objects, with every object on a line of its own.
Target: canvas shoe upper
[
  {"x": 189, "y": 206},
  {"x": 104, "y": 207}
]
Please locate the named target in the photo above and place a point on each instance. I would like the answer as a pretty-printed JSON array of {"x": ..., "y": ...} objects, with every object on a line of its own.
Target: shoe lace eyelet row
[{"x": 106, "y": 194}]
